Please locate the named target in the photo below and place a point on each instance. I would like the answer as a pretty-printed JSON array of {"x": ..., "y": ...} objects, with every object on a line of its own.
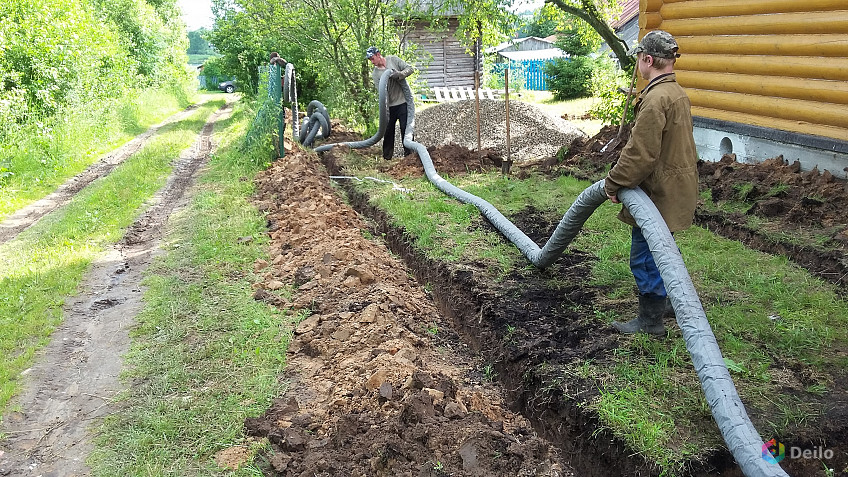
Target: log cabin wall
[
  {"x": 451, "y": 66},
  {"x": 777, "y": 65}
]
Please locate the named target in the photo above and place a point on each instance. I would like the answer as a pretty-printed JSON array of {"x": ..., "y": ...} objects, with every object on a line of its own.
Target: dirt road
[
  {"x": 76, "y": 375},
  {"x": 29, "y": 215}
]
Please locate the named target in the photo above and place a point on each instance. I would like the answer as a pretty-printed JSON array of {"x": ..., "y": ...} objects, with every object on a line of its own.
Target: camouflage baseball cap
[
  {"x": 371, "y": 51},
  {"x": 657, "y": 43}
]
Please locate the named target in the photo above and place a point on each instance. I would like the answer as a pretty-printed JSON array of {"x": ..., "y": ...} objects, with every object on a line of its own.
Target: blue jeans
[{"x": 644, "y": 269}]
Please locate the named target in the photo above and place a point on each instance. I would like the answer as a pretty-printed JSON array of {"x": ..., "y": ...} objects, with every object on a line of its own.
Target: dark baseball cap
[
  {"x": 371, "y": 51},
  {"x": 657, "y": 43}
]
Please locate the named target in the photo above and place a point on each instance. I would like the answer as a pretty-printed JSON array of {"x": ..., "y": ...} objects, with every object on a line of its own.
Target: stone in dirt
[{"x": 353, "y": 372}]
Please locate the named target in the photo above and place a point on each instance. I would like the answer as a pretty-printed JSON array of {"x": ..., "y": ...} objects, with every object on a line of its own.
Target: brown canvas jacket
[{"x": 660, "y": 156}]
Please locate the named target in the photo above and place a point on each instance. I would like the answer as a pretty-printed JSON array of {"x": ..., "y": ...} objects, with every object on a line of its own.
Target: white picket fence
[{"x": 443, "y": 94}]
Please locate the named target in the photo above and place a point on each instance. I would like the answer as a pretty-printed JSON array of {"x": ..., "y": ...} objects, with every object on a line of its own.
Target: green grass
[
  {"x": 768, "y": 315},
  {"x": 43, "y": 156},
  {"x": 45, "y": 264},
  {"x": 572, "y": 107},
  {"x": 205, "y": 354}
]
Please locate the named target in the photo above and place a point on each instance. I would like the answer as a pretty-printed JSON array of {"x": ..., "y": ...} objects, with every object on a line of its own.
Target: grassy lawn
[
  {"x": 769, "y": 316},
  {"x": 45, "y": 264},
  {"x": 205, "y": 354},
  {"x": 573, "y": 108},
  {"x": 44, "y": 159}
]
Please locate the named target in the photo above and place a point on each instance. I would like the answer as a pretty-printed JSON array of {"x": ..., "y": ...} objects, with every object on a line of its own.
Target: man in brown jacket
[{"x": 660, "y": 158}]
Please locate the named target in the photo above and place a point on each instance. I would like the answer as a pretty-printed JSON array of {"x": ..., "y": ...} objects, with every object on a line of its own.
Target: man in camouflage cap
[
  {"x": 657, "y": 43},
  {"x": 660, "y": 158}
]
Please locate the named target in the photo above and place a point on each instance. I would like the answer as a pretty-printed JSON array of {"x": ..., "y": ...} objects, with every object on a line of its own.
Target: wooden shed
[
  {"x": 450, "y": 65},
  {"x": 776, "y": 70}
]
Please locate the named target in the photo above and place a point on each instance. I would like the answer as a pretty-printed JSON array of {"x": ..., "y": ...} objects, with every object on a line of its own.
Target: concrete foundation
[{"x": 752, "y": 144}]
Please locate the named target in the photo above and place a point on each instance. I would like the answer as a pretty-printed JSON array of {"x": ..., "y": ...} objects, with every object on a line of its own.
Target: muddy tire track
[
  {"x": 31, "y": 214},
  {"x": 75, "y": 379}
]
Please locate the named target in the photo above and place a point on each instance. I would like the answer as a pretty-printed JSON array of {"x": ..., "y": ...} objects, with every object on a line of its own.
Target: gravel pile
[{"x": 533, "y": 132}]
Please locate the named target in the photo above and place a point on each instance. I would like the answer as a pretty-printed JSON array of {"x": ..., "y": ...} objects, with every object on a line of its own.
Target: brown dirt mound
[
  {"x": 778, "y": 189},
  {"x": 379, "y": 383},
  {"x": 448, "y": 160}
]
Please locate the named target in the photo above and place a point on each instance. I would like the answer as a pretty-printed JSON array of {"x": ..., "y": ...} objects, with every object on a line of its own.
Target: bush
[
  {"x": 605, "y": 87},
  {"x": 569, "y": 77}
]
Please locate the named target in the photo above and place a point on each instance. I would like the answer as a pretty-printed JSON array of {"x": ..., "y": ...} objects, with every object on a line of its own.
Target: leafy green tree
[
  {"x": 53, "y": 53},
  {"x": 541, "y": 25},
  {"x": 569, "y": 77},
  {"x": 596, "y": 13},
  {"x": 153, "y": 34},
  {"x": 243, "y": 41},
  {"x": 197, "y": 43}
]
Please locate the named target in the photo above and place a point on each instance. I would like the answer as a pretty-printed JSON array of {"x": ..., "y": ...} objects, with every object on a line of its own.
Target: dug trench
[
  {"x": 532, "y": 328},
  {"x": 534, "y": 324}
]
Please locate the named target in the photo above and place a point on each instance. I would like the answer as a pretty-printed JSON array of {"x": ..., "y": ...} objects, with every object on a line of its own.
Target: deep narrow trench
[{"x": 555, "y": 325}]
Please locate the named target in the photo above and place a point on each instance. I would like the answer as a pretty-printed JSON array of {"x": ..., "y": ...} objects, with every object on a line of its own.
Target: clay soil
[
  {"x": 379, "y": 383},
  {"x": 557, "y": 325}
]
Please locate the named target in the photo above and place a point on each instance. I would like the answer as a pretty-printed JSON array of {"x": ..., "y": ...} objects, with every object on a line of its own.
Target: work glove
[{"x": 396, "y": 75}]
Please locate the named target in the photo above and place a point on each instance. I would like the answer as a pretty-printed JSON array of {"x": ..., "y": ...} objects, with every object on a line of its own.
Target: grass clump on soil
[
  {"x": 205, "y": 354},
  {"x": 769, "y": 316},
  {"x": 47, "y": 155},
  {"x": 45, "y": 263}
]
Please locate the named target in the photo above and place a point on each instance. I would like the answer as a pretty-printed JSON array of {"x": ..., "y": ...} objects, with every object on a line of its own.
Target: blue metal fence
[
  {"x": 535, "y": 78},
  {"x": 530, "y": 73}
]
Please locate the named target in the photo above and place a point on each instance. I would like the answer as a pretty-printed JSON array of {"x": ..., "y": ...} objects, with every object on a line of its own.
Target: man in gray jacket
[
  {"x": 396, "y": 98},
  {"x": 660, "y": 158}
]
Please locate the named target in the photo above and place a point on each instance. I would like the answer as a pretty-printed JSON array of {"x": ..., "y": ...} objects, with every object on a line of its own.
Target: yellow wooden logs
[
  {"x": 802, "y": 127},
  {"x": 716, "y": 8},
  {"x": 778, "y": 23},
  {"x": 798, "y": 66},
  {"x": 649, "y": 21},
  {"x": 779, "y": 45},
  {"x": 775, "y": 86},
  {"x": 791, "y": 109}
]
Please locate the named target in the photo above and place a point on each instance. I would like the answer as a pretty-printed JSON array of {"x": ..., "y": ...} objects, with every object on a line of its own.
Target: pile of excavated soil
[
  {"x": 778, "y": 189},
  {"x": 379, "y": 383},
  {"x": 534, "y": 133},
  {"x": 447, "y": 160}
]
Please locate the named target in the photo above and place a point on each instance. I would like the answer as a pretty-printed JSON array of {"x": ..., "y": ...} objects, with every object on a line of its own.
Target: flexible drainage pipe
[{"x": 736, "y": 428}]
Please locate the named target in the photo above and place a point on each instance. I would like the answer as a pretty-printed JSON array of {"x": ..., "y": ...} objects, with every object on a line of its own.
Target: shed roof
[
  {"x": 530, "y": 55},
  {"x": 516, "y": 41}
]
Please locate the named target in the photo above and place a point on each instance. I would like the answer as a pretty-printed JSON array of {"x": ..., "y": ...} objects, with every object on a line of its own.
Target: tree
[
  {"x": 197, "y": 43},
  {"x": 541, "y": 25},
  {"x": 593, "y": 12}
]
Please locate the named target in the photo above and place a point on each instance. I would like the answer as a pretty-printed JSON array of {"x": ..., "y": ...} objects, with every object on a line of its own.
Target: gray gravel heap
[{"x": 533, "y": 132}]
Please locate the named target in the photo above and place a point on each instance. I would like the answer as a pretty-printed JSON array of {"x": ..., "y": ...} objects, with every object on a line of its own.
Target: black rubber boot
[
  {"x": 669, "y": 310},
  {"x": 650, "y": 319}
]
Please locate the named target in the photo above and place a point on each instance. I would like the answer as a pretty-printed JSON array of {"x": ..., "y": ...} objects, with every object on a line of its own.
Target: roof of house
[
  {"x": 530, "y": 55},
  {"x": 516, "y": 41},
  {"x": 630, "y": 9}
]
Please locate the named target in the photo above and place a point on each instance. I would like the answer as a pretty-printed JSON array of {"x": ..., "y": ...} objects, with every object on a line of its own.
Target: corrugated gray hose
[
  {"x": 728, "y": 411},
  {"x": 317, "y": 118},
  {"x": 290, "y": 95},
  {"x": 384, "y": 118}
]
